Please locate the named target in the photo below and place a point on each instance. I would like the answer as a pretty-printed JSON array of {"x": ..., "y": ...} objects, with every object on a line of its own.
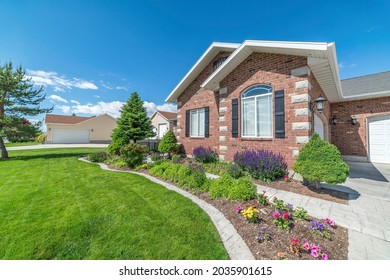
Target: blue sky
[{"x": 91, "y": 55}]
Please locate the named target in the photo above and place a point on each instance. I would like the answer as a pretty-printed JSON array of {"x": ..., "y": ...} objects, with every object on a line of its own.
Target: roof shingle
[
  {"x": 374, "y": 83},
  {"x": 168, "y": 115},
  {"x": 51, "y": 118}
]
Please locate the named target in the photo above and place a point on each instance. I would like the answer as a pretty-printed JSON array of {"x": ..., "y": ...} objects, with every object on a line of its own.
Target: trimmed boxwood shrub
[
  {"x": 204, "y": 155},
  {"x": 261, "y": 164},
  {"x": 133, "y": 154},
  {"x": 320, "y": 161}
]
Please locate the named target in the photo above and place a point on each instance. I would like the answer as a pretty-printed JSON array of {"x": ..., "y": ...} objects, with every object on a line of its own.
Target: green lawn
[
  {"x": 21, "y": 144},
  {"x": 53, "y": 206}
]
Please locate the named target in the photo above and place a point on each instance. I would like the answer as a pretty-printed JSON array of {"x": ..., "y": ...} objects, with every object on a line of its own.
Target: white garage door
[
  {"x": 379, "y": 139},
  {"x": 70, "y": 136},
  {"x": 319, "y": 126}
]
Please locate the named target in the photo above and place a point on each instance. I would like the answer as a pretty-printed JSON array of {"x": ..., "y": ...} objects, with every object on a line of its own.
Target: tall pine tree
[
  {"x": 133, "y": 124},
  {"x": 19, "y": 97}
]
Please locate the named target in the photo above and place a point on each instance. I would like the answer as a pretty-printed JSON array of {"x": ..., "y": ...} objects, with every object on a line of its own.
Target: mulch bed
[
  {"x": 336, "y": 248},
  {"x": 298, "y": 187}
]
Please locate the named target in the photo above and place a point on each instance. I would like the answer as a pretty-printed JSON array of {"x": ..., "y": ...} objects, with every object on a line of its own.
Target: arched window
[{"x": 256, "y": 111}]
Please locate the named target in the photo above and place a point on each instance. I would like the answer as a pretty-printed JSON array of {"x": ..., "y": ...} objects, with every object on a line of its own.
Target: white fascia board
[
  {"x": 332, "y": 58},
  {"x": 211, "y": 51},
  {"x": 366, "y": 95},
  {"x": 247, "y": 46}
]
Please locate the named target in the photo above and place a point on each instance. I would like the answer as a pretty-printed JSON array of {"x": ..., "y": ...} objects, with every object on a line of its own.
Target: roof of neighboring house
[
  {"x": 366, "y": 86},
  {"x": 322, "y": 61},
  {"x": 166, "y": 115},
  {"x": 51, "y": 118}
]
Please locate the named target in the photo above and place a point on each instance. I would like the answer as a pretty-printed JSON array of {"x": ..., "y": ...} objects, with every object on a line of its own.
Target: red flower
[
  {"x": 294, "y": 241},
  {"x": 285, "y": 215}
]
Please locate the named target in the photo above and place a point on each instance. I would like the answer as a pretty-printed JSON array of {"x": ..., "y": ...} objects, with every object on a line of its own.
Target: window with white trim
[
  {"x": 256, "y": 112},
  {"x": 197, "y": 122}
]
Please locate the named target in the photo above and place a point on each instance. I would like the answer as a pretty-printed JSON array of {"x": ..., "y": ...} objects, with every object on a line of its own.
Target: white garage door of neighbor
[
  {"x": 70, "y": 136},
  {"x": 319, "y": 126},
  {"x": 379, "y": 139},
  {"x": 162, "y": 129}
]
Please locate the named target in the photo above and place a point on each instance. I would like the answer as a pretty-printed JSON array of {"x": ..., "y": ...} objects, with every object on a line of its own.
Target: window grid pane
[{"x": 197, "y": 124}]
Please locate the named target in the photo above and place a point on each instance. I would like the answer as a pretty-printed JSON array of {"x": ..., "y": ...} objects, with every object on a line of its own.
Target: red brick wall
[{"x": 351, "y": 139}]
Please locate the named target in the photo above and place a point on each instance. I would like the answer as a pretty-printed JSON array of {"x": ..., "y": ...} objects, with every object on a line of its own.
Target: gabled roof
[
  {"x": 166, "y": 115},
  {"x": 322, "y": 61},
  {"x": 202, "y": 62},
  {"x": 61, "y": 119},
  {"x": 369, "y": 86},
  {"x": 51, "y": 118}
]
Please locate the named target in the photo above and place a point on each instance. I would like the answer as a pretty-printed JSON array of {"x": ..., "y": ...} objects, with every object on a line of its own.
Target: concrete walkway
[
  {"x": 232, "y": 241},
  {"x": 54, "y": 146}
]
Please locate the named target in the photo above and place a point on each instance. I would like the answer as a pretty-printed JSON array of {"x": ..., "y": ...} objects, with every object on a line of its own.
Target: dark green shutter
[
  {"x": 279, "y": 114},
  {"x": 206, "y": 122},
  {"x": 187, "y": 123},
  {"x": 235, "y": 117}
]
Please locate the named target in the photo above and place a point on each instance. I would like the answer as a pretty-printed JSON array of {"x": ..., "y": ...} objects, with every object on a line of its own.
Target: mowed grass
[
  {"x": 53, "y": 206},
  {"x": 21, "y": 144}
]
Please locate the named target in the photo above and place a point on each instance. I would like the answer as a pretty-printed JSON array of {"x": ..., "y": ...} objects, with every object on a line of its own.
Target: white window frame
[
  {"x": 255, "y": 97},
  {"x": 197, "y": 112}
]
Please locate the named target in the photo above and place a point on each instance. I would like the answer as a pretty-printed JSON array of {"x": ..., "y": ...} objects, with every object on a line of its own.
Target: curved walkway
[
  {"x": 234, "y": 244},
  {"x": 55, "y": 146}
]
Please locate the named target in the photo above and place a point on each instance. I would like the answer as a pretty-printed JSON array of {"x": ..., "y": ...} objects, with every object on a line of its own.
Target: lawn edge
[{"x": 232, "y": 241}]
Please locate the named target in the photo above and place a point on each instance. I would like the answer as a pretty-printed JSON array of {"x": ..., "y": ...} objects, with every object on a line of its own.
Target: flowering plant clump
[
  {"x": 330, "y": 222},
  {"x": 239, "y": 208},
  {"x": 320, "y": 229},
  {"x": 251, "y": 214},
  {"x": 300, "y": 213},
  {"x": 263, "y": 198},
  {"x": 261, "y": 164},
  {"x": 314, "y": 250},
  {"x": 295, "y": 246},
  {"x": 279, "y": 204},
  {"x": 204, "y": 155},
  {"x": 264, "y": 235},
  {"x": 281, "y": 220}
]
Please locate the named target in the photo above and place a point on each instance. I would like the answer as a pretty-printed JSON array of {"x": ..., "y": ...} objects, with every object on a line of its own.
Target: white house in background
[
  {"x": 162, "y": 122},
  {"x": 79, "y": 130}
]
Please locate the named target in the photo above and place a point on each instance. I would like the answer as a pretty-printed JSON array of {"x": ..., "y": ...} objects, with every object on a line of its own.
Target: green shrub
[
  {"x": 242, "y": 189},
  {"x": 116, "y": 162},
  {"x": 118, "y": 141},
  {"x": 159, "y": 168},
  {"x": 235, "y": 171},
  {"x": 133, "y": 154},
  {"x": 176, "y": 158},
  {"x": 217, "y": 168},
  {"x": 98, "y": 157},
  {"x": 232, "y": 189},
  {"x": 155, "y": 157},
  {"x": 41, "y": 138},
  {"x": 168, "y": 143},
  {"x": 320, "y": 161}
]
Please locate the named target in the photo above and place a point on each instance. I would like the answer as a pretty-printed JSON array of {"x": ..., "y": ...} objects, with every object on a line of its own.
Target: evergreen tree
[
  {"x": 168, "y": 143},
  {"x": 133, "y": 124},
  {"x": 19, "y": 97}
]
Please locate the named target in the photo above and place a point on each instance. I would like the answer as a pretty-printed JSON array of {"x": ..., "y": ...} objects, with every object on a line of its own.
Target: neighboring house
[
  {"x": 261, "y": 94},
  {"x": 79, "y": 130},
  {"x": 162, "y": 122}
]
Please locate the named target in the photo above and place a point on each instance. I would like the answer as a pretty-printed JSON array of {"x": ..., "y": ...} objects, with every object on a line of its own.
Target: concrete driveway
[
  {"x": 53, "y": 146},
  {"x": 368, "y": 186}
]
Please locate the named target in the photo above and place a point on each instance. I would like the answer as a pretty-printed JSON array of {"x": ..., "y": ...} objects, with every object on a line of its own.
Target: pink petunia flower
[
  {"x": 276, "y": 215},
  {"x": 314, "y": 253},
  {"x": 306, "y": 245},
  {"x": 285, "y": 215},
  {"x": 324, "y": 256}
]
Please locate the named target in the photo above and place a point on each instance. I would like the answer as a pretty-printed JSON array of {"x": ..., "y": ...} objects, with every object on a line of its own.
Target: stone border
[{"x": 234, "y": 244}]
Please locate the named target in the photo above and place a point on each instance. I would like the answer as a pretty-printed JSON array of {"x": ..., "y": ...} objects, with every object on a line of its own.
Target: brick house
[{"x": 262, "y": 94}]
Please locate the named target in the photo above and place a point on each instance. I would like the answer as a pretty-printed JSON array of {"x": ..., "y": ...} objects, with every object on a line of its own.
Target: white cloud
[
  {"x": 353, "y": 65},
  {"x": 152, "y": 107},
  {"x": 54, "y": 97},
  {"x": 96, "y": 96},
  {"x": 64, "y": 108},
  {"x": 341, "y": 65},
  {"x": 112, "y": 108},
  {"x": 121, "y": 88},
  {"x": 59, "y": 83}
]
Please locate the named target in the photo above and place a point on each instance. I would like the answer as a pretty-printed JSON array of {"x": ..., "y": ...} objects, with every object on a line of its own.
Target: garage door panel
[
  {"x": 379, "y": 139},
  {"x": 70, "y": 136}
]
